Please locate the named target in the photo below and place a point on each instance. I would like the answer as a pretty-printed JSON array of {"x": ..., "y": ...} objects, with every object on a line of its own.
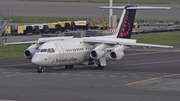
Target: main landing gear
[
  {"x": 99, "y": 64},
  {"x": 99, "y": 67},
  {"x": 69, "y": 66},
  {"x": 40, "y": 69}
]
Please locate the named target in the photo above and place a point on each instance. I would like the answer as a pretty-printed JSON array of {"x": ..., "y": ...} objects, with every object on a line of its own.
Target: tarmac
[{"x": 139, "y": 76}]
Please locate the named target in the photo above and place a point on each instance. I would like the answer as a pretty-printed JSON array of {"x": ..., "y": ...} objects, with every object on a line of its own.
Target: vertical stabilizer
[
  {"x": 125, "y": 25},
  {"x": 126, "y": 21}
]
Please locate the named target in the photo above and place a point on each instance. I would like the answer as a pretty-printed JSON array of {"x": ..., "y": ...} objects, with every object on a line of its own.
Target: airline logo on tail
[{"x": 127, "y": 24}]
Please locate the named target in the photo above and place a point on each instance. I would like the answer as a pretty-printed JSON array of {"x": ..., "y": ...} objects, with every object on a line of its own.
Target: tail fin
[
  {"x": 125, "y": 25},
  {"x": 124, "y": 29}
]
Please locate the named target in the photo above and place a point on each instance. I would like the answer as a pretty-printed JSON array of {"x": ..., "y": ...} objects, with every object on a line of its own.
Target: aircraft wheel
[
  {"x": 101, "y": 67},
  {"x": 96, "y": 67},
  {"x": 71, "y": 66},
  {"x": 66, "y": 67},
  {"x": 40, "y": 70}
]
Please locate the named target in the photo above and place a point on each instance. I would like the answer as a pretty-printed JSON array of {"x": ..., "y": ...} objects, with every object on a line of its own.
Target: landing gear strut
[
  {"x": 40, "y": 69},
  {"x": 99, "y": 64}
]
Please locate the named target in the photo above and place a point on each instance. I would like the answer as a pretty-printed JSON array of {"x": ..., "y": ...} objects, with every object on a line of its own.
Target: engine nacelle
[
  {"x": 116, "y": 55},
  {"x": 28, "y": 53},
  {"x": 96, "y": 54}
]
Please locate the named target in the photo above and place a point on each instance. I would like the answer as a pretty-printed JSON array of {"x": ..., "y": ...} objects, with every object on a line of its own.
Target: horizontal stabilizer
[{"x": 137, "y": 7}]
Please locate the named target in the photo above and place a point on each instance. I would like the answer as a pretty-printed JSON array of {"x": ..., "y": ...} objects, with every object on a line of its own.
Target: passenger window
[{"x": 38, "y": 50}]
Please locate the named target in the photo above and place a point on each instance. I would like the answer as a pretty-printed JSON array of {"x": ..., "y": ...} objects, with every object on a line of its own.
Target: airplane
[{"x": 69, "y": 51}]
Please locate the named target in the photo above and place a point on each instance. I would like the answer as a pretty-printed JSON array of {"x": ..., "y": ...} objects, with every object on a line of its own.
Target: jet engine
[
  {"x": 96, "y": 54},
  {"x": 31, "y": 50},
  {"x": 116, "y": 55},
  {"x": 28, "y": 53}
]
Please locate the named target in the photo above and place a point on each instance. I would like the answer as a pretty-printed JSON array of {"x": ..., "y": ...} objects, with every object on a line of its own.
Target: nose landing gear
[{"x": 40, "y": 69}]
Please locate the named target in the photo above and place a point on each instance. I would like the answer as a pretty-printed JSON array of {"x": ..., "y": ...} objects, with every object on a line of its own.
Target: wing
[
  {"x": 40, "y": 40},
  {"x": 95, "y": 40},
  {"x": 16, "y": 43},
  {"x": 125, "y": 42}
]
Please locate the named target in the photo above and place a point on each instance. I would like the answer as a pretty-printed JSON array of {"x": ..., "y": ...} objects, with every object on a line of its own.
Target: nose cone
[{"x": 36, "y": 59}]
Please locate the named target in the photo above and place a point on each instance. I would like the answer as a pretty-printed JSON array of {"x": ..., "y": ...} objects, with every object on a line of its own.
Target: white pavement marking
[
  {"x": 77, "y": 74},
  {"x": 112, "y": 75},
  {"x": 16, "y": 65},
  {"x": 89, "y": 75},
  {"x": 65, "y": 74},
  {"x": 6, "y": 72},
  {"x": 132, "y": 74},
  {"x": 101, "y": 75},
  {"x": 15, "y": 75}
]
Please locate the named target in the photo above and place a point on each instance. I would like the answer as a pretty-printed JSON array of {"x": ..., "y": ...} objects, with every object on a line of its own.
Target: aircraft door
[{"x": 61, "y": 50}]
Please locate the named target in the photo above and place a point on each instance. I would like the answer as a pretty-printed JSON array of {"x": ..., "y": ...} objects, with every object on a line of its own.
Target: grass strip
[
  {"x": 12, "y": 51},
  {"x": 165, "y": 38}
]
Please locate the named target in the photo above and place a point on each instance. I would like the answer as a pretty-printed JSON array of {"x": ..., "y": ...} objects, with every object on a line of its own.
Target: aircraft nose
[{"x": 36, "y": 60}]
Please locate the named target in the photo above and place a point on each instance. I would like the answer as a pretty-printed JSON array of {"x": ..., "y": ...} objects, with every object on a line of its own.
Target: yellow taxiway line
[
  {"x": 148, "y": 63},
  {"x": 151, "y": 79},
  {"x": 144, "y": 52}
]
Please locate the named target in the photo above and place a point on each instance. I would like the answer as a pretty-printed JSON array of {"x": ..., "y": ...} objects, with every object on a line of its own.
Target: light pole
[{"x": 110, "y": 13}]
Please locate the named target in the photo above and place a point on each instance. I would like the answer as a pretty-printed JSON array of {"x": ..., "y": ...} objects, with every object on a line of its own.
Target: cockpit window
[
  {"x": 43, "y": 50},
  {"x": 38, "y": 50},
  {"x": 51, "y": 50}
]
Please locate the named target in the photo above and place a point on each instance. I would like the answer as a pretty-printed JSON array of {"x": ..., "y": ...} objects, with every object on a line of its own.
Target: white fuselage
[{"x": 66, "y": 52}]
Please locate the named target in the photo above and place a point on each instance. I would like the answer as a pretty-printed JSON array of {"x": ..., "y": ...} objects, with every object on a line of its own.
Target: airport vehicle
[{"x": 69, "y": 51}]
